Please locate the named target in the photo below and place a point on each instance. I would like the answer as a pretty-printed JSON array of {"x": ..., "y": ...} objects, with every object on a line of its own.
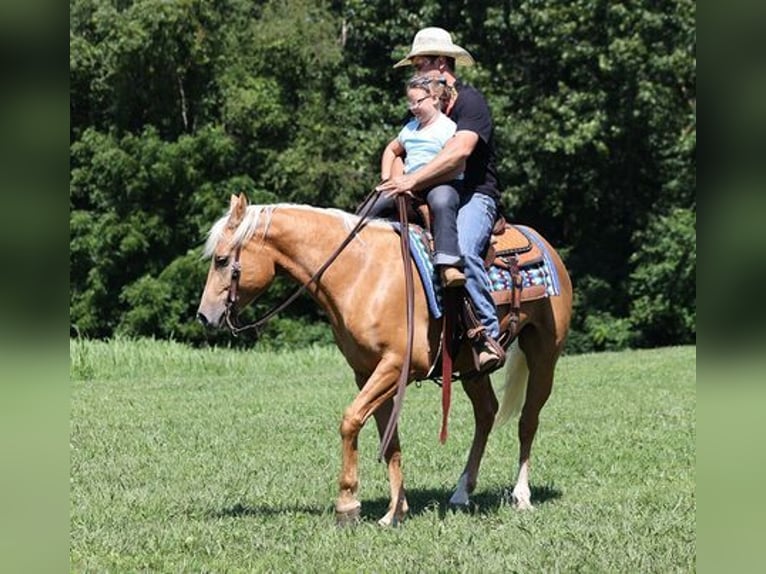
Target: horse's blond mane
[
  {"x": 254, "y": 215},
  {"x": 244, "y": 231}
]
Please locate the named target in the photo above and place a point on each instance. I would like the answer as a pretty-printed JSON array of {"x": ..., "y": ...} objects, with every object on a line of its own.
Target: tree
[
  {"x": 175, "y": 105},
  {"x": 663, "y": 284}
]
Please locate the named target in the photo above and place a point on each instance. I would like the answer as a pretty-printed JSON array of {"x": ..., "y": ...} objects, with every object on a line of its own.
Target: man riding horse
[{"x": 365, "y": 302}]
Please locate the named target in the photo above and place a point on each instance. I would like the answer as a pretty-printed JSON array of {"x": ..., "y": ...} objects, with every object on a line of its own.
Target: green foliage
[
  {"x": 663, "y": 285},
  {"x": 165, "y": 305},
  {"x": 594, "y": 327},
  {"x": 175, "y": 105},
  {"x": 287, "y": 333},
  {"x": 114, "y": 239}
]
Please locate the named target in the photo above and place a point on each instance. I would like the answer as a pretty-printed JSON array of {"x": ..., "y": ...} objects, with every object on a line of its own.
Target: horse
[{"x": 363, "y": 295}]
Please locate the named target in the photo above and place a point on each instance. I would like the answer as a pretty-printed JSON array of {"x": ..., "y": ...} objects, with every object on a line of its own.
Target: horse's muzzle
[
  {"x": 209, "y": 322},
  {"x": 202, "y": 319}
]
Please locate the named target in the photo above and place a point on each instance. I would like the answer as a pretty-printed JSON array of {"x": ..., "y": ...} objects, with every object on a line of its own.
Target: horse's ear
[{"x": 237, "y": 207}]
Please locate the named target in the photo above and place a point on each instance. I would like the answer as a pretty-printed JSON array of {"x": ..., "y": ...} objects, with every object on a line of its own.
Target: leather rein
[{"x": 404, "y": 374}]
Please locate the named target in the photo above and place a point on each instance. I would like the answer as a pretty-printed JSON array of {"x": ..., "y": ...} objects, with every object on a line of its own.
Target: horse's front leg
[
  {"x": 484, "y": 402},
  {"x": 378, "y": 388},
  {"x": 398, "y": 507}
]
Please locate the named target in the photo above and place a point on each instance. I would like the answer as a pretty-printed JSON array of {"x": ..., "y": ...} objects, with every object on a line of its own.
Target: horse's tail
[{"x": 515, "y": 389}]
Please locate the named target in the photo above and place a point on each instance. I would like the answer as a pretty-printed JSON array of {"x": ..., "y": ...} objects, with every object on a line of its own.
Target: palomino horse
[{"x": 363, "y": 294}]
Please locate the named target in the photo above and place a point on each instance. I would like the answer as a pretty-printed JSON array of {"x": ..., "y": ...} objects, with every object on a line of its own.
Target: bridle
[{"x": 232, "y": 297}]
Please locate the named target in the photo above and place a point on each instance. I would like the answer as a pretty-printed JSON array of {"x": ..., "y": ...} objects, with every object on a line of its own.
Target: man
[{"x": 433, "y": 53}]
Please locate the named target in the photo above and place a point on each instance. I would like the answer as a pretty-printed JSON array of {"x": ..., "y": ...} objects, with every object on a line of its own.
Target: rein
[
  {"x": 236, "y": 271},
  {"x": 404, "y": 375}
]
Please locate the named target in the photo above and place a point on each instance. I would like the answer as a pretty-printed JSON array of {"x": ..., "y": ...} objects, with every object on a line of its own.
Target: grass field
[{"x": 187, "y": 460}]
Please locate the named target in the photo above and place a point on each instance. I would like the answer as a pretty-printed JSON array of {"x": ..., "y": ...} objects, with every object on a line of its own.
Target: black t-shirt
[{"x": 471, "y": 113}]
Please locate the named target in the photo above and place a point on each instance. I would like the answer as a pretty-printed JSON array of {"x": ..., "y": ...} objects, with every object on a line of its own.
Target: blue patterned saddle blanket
[{"x": 539, "y": 277}]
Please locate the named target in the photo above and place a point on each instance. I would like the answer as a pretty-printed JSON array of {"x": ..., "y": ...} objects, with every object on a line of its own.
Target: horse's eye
[{"x": 221, "y": 261}]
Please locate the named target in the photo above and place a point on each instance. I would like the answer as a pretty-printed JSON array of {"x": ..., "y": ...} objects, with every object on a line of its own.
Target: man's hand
[{"x": 401, "y": 184}]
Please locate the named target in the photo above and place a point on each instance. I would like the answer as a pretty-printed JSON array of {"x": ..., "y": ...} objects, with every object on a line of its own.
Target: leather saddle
[
  {"x": 512, "y": 250},
  {"x": 508, "y": 249},
  {"x": 508, "y": 241}
]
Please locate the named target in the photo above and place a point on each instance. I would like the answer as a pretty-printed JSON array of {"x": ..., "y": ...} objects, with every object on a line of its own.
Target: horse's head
[{"x": 238, "y": 271}]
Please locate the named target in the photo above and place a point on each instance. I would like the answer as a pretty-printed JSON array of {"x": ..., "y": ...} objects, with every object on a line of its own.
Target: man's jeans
[{"x": 475, "y": 219}]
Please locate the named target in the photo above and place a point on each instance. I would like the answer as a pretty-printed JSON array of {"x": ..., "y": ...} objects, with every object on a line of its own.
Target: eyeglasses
[{"x": 416, "y": 104}]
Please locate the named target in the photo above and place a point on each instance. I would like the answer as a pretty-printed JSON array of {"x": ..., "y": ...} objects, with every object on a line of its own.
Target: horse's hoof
[
  {"x": 348, "y": 516},
  {"x": 521, "y": 500},
  {"x": 391, "y": 520},
  {"x": 460, "y": 498},
  {"x": 524, "y": 505},
  {"x": 465, "y": 508},
  {"x": 520, "y": 503}
]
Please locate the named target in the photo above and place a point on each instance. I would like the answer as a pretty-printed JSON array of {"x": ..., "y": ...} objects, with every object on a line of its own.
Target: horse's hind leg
[
  {"x": 398, "y": 506},
  {"x": 541, "y": 355},
  {"x": 484, "y": 402}
]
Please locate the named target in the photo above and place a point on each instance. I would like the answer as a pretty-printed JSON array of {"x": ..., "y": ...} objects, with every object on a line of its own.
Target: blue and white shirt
[{"x": 423, "y": 144}]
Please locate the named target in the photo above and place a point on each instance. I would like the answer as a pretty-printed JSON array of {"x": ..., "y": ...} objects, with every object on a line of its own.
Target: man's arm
[{"x": 445, "y": 166}]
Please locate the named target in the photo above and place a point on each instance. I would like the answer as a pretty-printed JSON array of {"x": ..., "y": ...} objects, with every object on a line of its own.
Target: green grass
[{"x": 188, "y": 460}]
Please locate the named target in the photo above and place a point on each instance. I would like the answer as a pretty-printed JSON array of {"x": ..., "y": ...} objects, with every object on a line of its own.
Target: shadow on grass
[
  {"x": 482, "y": 503},
  {"x": 421, "y": 501},
  {"x": 239, "y": 510}
]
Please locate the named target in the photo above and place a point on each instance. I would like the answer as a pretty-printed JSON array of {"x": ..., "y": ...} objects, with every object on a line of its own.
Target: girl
[{"x": 419, "y": 142}]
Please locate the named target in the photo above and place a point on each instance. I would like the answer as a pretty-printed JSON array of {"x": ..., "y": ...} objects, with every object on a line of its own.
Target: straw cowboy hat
[{"x": 436, "y": 42}]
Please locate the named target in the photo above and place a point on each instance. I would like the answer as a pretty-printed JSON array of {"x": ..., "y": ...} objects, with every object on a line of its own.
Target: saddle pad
[
  {"x": 533, "y": 276},
  {"x": 541, "y": 274},
  {"x": 420, "y": 250},
  {"x": 550, "y": 275}
]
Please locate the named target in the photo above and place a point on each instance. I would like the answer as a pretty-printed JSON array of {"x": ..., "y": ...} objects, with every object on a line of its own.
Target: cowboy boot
[
  {"x": 452, "y": 277},
  {"x": 490, "y": 359}
]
